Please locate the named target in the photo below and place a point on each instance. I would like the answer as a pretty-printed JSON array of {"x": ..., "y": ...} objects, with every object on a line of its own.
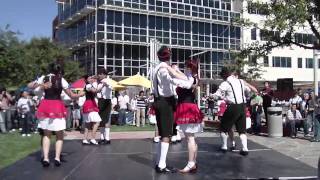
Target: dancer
[
  {"x": 104, "y": 103},
  {"x": 233, "y": 90},
  {"x": 187, "y": 115},
  {"x": 164, "y": 107},
  {"x": 90, "y": 110},
  {"x": 52, "y": 112}
]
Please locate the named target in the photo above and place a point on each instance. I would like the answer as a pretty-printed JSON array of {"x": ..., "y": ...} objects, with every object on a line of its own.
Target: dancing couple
[{"x": 186, "y": 113}]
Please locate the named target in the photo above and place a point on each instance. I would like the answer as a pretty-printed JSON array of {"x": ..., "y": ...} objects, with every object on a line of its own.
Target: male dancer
[
  {"x": 233, "y": 91},
  {"x": 104, "y": 103},
  {"x": 164, "y": 106}
]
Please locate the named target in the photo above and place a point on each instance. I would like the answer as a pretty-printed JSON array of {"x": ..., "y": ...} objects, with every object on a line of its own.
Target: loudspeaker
[{"x": 285, "y": 84}]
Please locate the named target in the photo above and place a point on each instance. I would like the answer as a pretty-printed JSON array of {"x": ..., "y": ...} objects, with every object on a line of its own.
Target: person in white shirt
[
  {"x": 233, "y": 91},
  {"x": 24, "y": 110},
  {"x": 162, "y": 87},
  {"x": 296, "y": 100},
  {"x": 105, "y": 105},
  {"x": 122, "y": 102},
  {"x": 51, "y": 111},
  {"x": 293, "y": 117},
  {"x": 90, "y": 109}
]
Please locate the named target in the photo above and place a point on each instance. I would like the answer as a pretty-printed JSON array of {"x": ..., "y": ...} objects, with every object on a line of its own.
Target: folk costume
[
  {"x": 51, "y": 111},
  {"x": 233, "y": 91},
  {"x": 105, "y": 106}
]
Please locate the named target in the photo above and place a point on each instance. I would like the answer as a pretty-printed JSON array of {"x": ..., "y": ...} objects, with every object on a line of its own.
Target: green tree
[
  {"x": 283, "y": 20},
  {"x": 11, "y": 57},
  {"x": 21, "y": 62}
]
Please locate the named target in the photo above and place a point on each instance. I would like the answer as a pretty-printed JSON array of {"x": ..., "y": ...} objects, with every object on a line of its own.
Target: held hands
[{"x": 47, "y": 85}]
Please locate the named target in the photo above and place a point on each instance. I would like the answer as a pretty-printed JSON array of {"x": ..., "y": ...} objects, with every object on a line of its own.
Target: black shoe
[
  {"x": 165, "y": 170},
  {"x": 102, "y": 142},
  {"x": 223, "y": 150},
  {"x": 232, "y": 148},
  {"x": 45, "y": 163},
  {"x": 315, "y": 140},
  {"x": 107, "y": 142},
  {"x": 244, "y": 153},
  {"x": 57, "y": 163}
]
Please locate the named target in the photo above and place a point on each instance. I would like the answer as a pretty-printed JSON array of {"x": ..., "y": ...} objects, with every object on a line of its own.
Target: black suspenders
[{"x": 234, "y": 94}]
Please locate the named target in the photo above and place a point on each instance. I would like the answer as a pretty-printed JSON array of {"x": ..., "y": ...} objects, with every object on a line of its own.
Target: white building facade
[{"x": 289, "y": 62}]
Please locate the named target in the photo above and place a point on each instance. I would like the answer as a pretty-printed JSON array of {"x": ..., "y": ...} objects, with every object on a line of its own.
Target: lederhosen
[
  {"x": 104, "y": 110},
  {"x": 234, "y": 114},
  {"x": 164, "y": 108}
]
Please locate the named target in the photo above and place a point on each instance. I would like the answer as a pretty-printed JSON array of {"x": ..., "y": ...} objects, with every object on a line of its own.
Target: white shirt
[
  {"x": 24, "y": 104},
  {"x": 164, "y": 83},
  {"x": 122, "y": 102},
  {"x": 186, "y": 84},
  {"x": 295, "y": 100},
  {"x": 64, "y": 83},
  {"x": 106, "y": 92},
  {"x": 225, "y": 90}
]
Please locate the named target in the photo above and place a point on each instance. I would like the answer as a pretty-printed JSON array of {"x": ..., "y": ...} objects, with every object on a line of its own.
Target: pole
[
  {"x": 96, "y": 40},
  {"x": 315, "y": 72}
]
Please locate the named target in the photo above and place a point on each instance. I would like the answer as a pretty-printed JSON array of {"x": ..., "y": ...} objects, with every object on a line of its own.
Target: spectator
[
  {"x": 307, "y": 110},
  {"x": 222, "y": 108},
  {"x": 133, "y": 105},
  {"x": 267, "y": 95},
  {"x": 296, "y": 100},
  {"x": 316, "y": 127},
  {"x": 122, "y": 102},
  {"x": 76, "y": 115},
  {"x": 5, "y": 114},
  {"x": 24, "y": 107},
  {"x": 141, "y": 108},
  {"x": 211, "y": 105},
  {"x": 256, "y": 111},
  {"x": 293, "y": 116}
]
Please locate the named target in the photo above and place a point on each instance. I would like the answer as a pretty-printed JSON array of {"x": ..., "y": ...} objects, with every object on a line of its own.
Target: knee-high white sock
[
  {"x": 163, "y": 155},
  {"x": 224, "y": 138},
  {"x": 102, "y": 137},
  {"x": 158, "y": 153},
  {"x": 243, "y": 139},
  {"x": 178, "y": 137},
  {"x": 107, "y": 133}
]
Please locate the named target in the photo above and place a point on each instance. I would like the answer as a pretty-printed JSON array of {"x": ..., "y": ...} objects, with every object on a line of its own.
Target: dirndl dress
[
  {"x": 52, "y": 115},
  {"x": 187, "y": 115},
  {"x": 91, "y": 111}
]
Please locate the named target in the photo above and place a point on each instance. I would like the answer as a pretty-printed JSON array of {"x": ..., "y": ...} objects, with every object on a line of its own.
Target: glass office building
[{"x": 117, "y": 34}]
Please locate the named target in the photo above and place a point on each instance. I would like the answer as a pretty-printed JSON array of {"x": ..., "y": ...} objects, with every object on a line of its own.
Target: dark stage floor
[{"x": 134, "y": 159}]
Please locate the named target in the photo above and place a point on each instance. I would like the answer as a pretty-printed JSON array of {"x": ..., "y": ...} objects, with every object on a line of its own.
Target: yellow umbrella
[
  {"x": 136, "y": 80},
  {"x": 115, "y": 85}
]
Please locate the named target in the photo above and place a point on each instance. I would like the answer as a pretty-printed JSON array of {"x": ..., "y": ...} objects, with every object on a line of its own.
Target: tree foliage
[
  {"x": 21, "y": 62},
  {"x": 283, "y": 20}
]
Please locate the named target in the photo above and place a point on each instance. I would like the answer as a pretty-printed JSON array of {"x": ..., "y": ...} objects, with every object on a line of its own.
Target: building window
[
  {"x": 255, "y": 8},
  {"x": 265, "y": 61},
  {"x": 254, "y": 34},
  {"x": 309, "y": 63},
  {"x": 284, "y": 62},
  {"x": 253, "y": 59},
  {"x": 299, "y": 62}
]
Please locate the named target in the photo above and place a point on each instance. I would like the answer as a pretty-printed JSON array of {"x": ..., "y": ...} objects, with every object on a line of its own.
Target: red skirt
[
  {"x": 188, "y": 113},
  {"x": 51, "y": 109},
  {"x": 90, "y": 106}
]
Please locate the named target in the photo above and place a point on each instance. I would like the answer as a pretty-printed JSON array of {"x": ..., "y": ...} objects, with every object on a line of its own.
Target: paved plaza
[{"x": 131, "y": 156}]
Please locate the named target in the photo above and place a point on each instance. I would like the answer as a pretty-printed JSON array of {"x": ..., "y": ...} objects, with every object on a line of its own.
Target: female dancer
[
  {"x": 52, "y": 112},
  {"x": 188, "y": 115},
  {"x": 90, "y": 109}
]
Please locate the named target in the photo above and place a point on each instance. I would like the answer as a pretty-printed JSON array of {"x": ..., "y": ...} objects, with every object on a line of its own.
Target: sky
[{"x": 33, "y": 18}]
